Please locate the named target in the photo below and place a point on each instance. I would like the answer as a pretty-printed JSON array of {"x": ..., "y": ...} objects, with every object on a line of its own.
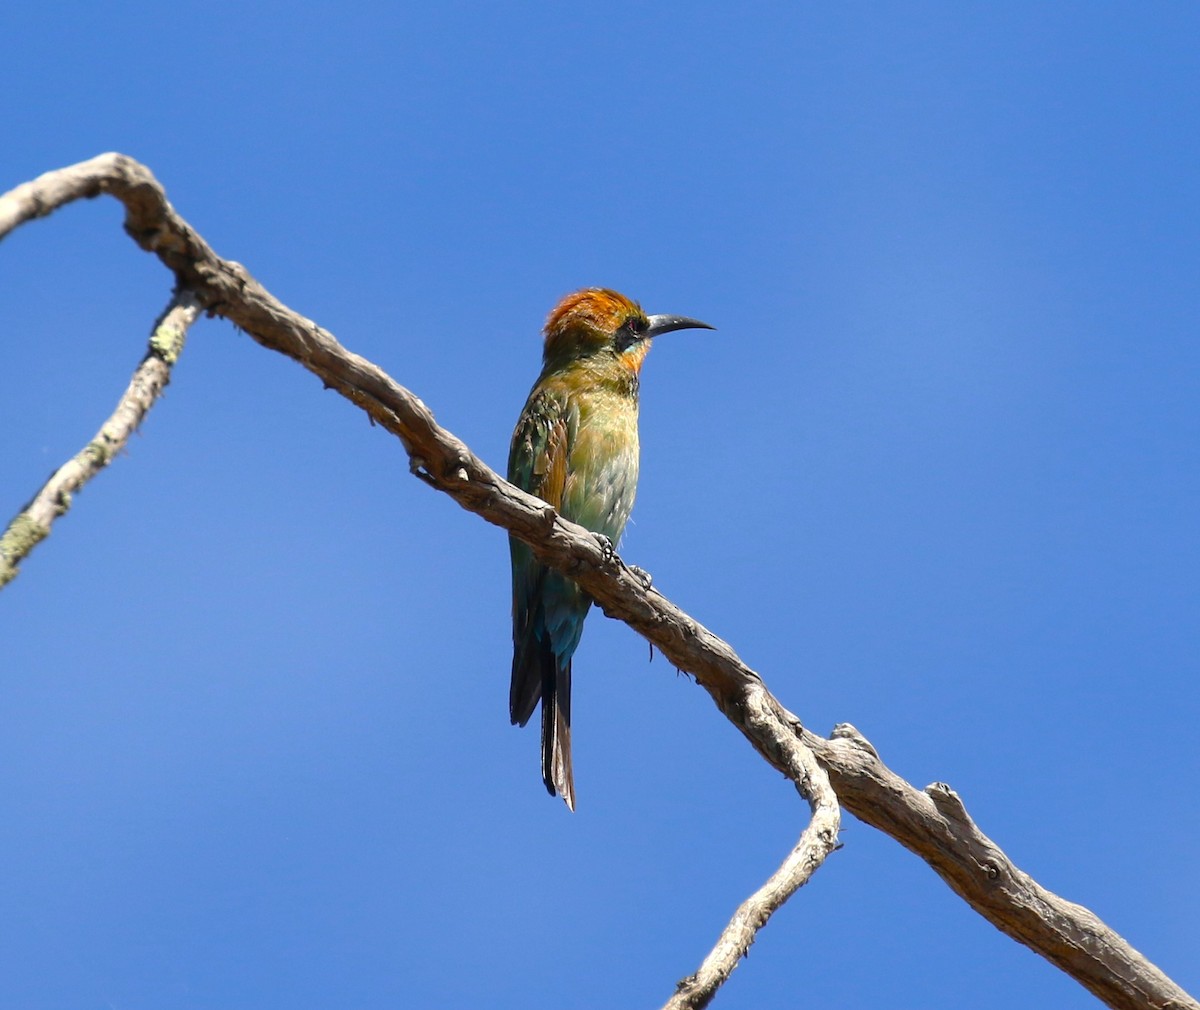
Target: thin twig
[
  {"x": 32, "y": 524},
  {"x": 816, "y": 842},
  {"x": 932, "y": 823}
]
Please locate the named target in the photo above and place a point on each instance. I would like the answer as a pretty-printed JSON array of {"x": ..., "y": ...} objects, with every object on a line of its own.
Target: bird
[{"x": 575, "y": 446}]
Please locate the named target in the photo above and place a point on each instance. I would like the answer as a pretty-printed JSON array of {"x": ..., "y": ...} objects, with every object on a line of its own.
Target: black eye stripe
[{"x": 630, "y": 332}]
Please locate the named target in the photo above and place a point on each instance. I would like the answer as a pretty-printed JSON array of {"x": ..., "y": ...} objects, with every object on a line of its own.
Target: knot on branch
[
  {"x": 845, "y": 731},
  {"x": 948, "y": 803}
]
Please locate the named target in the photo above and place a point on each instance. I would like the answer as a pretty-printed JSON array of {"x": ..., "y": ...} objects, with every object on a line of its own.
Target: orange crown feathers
[
  {"x": 599, "y": 309},
  {"x": 587, "y": 319}
]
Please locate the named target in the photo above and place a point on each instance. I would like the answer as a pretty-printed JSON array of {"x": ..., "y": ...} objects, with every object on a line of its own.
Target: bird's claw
[
  {"x": 642, "y": 576},
  {"x": 606, "y": 547}
]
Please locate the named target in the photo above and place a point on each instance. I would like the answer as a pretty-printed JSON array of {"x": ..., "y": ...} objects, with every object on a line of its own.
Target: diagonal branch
[
  {"x": 932, "y": 823},
  {"x": 32, "y": 524}
]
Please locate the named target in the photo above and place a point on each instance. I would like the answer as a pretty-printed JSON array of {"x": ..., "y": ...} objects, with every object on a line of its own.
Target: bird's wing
[
  {"x": 537, "y": 463},
  {"x": 541, "y": 447}
]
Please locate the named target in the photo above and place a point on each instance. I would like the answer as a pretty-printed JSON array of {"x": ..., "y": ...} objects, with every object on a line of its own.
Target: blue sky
[{"x": 936, "y": 474}]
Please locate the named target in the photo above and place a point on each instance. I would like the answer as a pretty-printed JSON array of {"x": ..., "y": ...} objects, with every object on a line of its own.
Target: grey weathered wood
[
  {"x": 817, "y": 841},
  {"x": 932, "y": 823},
  {"x": 32, "y": 524}
]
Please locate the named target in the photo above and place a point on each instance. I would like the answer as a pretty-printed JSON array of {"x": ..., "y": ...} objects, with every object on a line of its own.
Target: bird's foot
[
  {"x": 642, "y": 576},
  {"x": 606, "y": 547}
]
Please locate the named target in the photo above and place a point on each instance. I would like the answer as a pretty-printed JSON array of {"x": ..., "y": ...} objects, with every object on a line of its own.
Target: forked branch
[
  {"x": 818, "y": 840},
  {"x": 932, "y": 823}
]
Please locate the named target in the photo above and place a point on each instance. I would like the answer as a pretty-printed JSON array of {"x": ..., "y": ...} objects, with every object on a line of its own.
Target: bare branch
[
  {"x": 32, "y": 524},
  {"x": 932, "y": 823},
  {"x": 935, "y": 825},
  {"x": 818, "y": 840}
]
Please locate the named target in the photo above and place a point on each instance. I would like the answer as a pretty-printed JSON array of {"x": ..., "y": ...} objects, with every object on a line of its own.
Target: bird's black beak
[{"x": 657, "y": 325}]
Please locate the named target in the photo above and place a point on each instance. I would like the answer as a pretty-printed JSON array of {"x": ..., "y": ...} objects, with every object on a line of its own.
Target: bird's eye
[{"x": 630, "y": 332}]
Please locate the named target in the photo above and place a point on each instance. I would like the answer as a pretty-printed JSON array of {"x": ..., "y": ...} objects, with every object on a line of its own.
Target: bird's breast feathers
[
  {"x": 578, "y": 450},
  {"x": 601, "y": 479}
]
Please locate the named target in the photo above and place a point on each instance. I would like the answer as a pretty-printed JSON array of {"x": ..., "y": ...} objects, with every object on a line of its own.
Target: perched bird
[{"x": 575, "y": 447}]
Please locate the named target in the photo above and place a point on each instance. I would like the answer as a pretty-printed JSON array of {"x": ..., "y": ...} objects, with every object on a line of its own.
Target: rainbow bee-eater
[{"x": 576, "y": 448}]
